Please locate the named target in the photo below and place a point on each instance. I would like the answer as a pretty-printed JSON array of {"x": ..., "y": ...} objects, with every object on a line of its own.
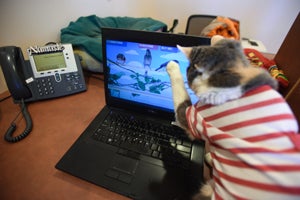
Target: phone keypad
[
  {"x": 49, "y": 87},
  {"x": 45, "y": 86},
  {"x": 75, "y": 81}
]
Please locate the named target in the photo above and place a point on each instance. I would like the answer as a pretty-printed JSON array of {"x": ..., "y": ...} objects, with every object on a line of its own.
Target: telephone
[{"x": 51, "y": 71}]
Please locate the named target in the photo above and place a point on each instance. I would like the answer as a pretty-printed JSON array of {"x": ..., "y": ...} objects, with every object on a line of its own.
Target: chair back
[{"x": 196, "y": 23}]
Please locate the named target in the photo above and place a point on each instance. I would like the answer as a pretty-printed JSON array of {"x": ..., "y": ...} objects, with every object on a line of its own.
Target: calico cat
[{"x": 242, "y": 118}]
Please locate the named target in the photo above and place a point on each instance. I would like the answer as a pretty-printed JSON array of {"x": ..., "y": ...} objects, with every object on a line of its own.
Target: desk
[{"x": 27, "y": 168}]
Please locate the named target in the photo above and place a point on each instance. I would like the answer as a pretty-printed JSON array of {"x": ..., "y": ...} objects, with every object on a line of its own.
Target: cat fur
[{"x": 217, "y": 74}]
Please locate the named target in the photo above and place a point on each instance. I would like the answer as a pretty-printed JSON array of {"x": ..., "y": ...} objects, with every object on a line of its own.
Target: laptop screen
[{"x": 135, "y": 68}]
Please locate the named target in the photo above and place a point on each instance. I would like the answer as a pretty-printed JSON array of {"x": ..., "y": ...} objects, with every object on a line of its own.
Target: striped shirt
[{"x": 254, "y": 145}]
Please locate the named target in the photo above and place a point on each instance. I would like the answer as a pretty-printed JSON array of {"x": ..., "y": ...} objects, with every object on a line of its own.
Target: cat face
[{"x": 214, "y": 66}]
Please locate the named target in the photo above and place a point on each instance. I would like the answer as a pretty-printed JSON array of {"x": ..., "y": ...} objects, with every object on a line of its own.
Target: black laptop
[{"x": 131, "y": 147}]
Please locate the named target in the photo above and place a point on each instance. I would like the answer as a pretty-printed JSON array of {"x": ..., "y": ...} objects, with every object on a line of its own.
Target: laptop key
[
  {"x": 136, "y": 148},
  {"x": 155, "y": 154},
  {"x": 183, "y": 148},
  {"x": 144, "y": 138},
  {"x": 187, "y": 143},
  {"x": 154, "y": 147}
]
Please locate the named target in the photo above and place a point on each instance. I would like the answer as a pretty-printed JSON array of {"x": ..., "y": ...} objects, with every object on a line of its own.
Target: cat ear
[
  {"x": 215, "y": 39},
  {"x": 185, "y": 50}
]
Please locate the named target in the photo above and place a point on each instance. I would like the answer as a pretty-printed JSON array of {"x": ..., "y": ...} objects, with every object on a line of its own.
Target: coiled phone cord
[{"x": 8, "y": 135}]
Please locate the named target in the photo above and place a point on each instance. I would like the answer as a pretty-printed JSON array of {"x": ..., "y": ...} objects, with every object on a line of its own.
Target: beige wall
[
  {"x": 36, "y": 22},
  {"x": 3, "y": 86}
]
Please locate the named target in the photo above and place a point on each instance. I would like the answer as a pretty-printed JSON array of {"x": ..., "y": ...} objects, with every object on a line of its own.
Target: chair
[{"x": 196, "y": 23}]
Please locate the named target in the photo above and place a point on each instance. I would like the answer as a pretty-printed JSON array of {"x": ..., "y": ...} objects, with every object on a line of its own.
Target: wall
[
  {"x": 3, "y": 86},
  {"x": 36, "y": 22}
]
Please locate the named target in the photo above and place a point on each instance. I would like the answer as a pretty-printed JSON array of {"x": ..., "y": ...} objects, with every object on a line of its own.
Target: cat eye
[
  {"x": 192, "y": 73},
  {"x": 199, "y": 70}
]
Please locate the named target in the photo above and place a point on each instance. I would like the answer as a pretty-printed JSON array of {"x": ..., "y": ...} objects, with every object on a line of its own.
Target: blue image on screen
[{"x": 137, "y": 72}]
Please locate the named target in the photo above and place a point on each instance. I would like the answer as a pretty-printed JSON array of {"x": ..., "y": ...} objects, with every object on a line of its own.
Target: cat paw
[
  {"x": 205, "y": 192},
  {"x": 212, "y": 98},
  {"x": 220, "y": 96},
  {"x": 207, "y": 189},
  {"x": 208, "y": 159},
  {"x": 173, "y": 68}
]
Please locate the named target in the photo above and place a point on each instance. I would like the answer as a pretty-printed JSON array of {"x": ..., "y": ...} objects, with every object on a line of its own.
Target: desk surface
[{"x": 27, "y": 168}]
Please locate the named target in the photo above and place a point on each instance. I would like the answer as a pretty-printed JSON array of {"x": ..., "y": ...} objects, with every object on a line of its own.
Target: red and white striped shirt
[{"x": 254, "y": 145}]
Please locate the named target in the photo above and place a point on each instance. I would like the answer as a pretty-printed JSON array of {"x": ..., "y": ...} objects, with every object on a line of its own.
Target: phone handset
[
  {"x": 52, "y": 71},
  {"x": 12, "y": 64}
]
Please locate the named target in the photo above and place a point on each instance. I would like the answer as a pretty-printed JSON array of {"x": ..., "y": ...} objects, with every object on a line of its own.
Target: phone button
[{"x": 57, "y": 77}]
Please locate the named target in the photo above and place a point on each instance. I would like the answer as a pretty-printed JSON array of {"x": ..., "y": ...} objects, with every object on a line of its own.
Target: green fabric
[{"x": 86, "y": 31}]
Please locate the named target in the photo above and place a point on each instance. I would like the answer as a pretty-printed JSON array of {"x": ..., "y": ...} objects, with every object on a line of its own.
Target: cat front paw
[
  {"x": 173, "y": 68},
  {"x": 213, "y": 98},
  {"x": 220, "y": 96}
]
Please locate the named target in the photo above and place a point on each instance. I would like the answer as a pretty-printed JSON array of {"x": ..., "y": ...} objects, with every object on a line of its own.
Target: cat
[{"x": 243, "y": 119}]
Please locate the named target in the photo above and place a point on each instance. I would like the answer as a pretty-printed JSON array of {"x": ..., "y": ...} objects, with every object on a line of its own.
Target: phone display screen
[{"x": 49, "y": 61}]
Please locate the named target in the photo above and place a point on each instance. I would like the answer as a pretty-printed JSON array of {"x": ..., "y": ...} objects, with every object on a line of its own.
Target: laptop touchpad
[{"x": 125, "y": 164}]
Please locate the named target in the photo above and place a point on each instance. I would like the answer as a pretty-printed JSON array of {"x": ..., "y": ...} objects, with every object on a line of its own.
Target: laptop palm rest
[
  {"x": 122, "y": 168},
  {"x": 124, "y": 164}
]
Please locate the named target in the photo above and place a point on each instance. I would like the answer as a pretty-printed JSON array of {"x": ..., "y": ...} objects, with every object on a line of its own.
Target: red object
[{"x": 257, "y": 59}]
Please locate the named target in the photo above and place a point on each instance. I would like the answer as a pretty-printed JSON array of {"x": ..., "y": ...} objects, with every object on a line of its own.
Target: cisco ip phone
[{"x": 51, "y": 71}]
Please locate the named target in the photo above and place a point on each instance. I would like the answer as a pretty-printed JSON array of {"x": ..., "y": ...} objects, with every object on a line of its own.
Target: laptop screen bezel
[{"x": 145, "y": 37}]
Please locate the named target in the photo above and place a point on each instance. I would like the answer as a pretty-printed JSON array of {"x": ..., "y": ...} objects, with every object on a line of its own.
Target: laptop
[{"x": 132, "y": 146}]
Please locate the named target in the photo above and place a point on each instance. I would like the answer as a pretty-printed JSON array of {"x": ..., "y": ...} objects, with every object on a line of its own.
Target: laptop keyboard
[{"x": 146, "y": 138}]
